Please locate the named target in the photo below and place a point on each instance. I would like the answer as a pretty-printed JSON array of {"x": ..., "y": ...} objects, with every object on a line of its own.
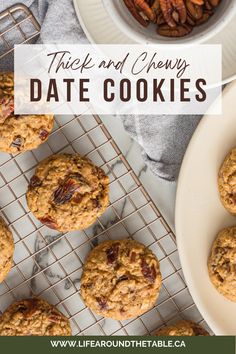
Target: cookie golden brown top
[
  {"x": 6, "y": 249},
  {"x": 6, "y": 95},
  {"x": 227, "y": 182},
  {"x": 19, "y": 132},
  {"x": 121, "y": 279},
  {"x": 183, "y": 328},
  {"x": 33, "y": 317},
  {"x": 222, "y": 263},
  {"x": 68, "y": 192}
]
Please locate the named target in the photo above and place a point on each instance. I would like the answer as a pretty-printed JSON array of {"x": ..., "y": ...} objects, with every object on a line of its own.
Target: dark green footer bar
[{"x": 162, "y": 345}]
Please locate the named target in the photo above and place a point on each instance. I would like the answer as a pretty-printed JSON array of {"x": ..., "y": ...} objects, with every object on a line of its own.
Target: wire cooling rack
[
  {"x": 19, "y": 23},
  {"x": 49, "y": 264}
]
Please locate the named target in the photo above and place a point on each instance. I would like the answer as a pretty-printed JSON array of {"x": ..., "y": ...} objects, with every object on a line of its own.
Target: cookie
[
  {"x": 227, "y": 182},
  {"x": 222, "y": 263},
  {"x": 182, "y": 328},
  {"x": 121, "y": 279},
  {"x": 68, "y": 192},
  {"x": 6, "y": 250},
  {"x": 6, "y": 95},
  {"x": 19, "y": 133},
  {"x": 33, "y": 317}
]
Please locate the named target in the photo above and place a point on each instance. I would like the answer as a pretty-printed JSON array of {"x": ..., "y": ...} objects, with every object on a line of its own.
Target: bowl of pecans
[{"x": 170, "y": 21}]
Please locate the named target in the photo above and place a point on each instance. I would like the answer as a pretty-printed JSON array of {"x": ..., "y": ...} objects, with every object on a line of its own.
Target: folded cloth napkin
[{"x": 163, "y": 138}]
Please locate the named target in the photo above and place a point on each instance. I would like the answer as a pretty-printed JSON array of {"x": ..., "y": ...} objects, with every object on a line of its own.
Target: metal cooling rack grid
[
  {"x": 16, "y": 22},
  {"x": 49, "y": 264}
]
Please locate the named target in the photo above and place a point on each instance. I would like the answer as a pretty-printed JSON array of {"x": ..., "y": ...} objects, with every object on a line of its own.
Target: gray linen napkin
[{"x": 163, "y": 138}]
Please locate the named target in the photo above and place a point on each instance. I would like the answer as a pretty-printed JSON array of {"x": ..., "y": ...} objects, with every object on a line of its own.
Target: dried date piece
[
  {"x": 35, "y": 182},
  {"x": 49, "y": 222},
  {"x": 72, "y": 184},
  {"x": 133, "y": 257},
  {"x": 112, "y": 253},
  {"x": 18, "y": 142},
  {"x": 6, "y": 107},
  {"x": 102, "y": 304},
  {"x": 148, "y": 272},
  {"x": 43, "y": 134}
]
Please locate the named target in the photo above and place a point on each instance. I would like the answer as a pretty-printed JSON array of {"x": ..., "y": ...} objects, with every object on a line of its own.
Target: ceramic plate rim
[{"x": 216, "y": 327}]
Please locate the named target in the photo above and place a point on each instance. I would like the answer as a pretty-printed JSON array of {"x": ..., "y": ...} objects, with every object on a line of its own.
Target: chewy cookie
[
  {"x": 121, "y": 279},
  {"x": 227, "y": 182},
  {"x": 68, "y": 192},
  {"x": 6, "y": 249},
  {"x": 33, "y": 317},
  {"x": 22, "y": 132},
  {"x": 6, "y": 95},
  {"x": 183, "y": 328},
  {"x": 222, "y": 263}
]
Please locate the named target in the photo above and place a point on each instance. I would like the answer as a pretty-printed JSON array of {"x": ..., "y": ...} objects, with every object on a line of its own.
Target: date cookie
[
  {"x": 222, "y": 263},
  {"x": 68, "y": 192},
  {"x": 6, "y": 95},
  {"x": 227, "y": 182},
  {"x": 33, "y": 317},
  {"x": 183, "y": 328},
  {"x": 6, "y": 250},
  {"x": 121, "y": 279},
  {"x": 19, "y": 133}
]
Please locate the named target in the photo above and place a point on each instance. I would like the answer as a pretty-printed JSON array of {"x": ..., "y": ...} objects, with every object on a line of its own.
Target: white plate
[
  {"x": 200, "y": 215},
  {"x": 100, "y": 29}
]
